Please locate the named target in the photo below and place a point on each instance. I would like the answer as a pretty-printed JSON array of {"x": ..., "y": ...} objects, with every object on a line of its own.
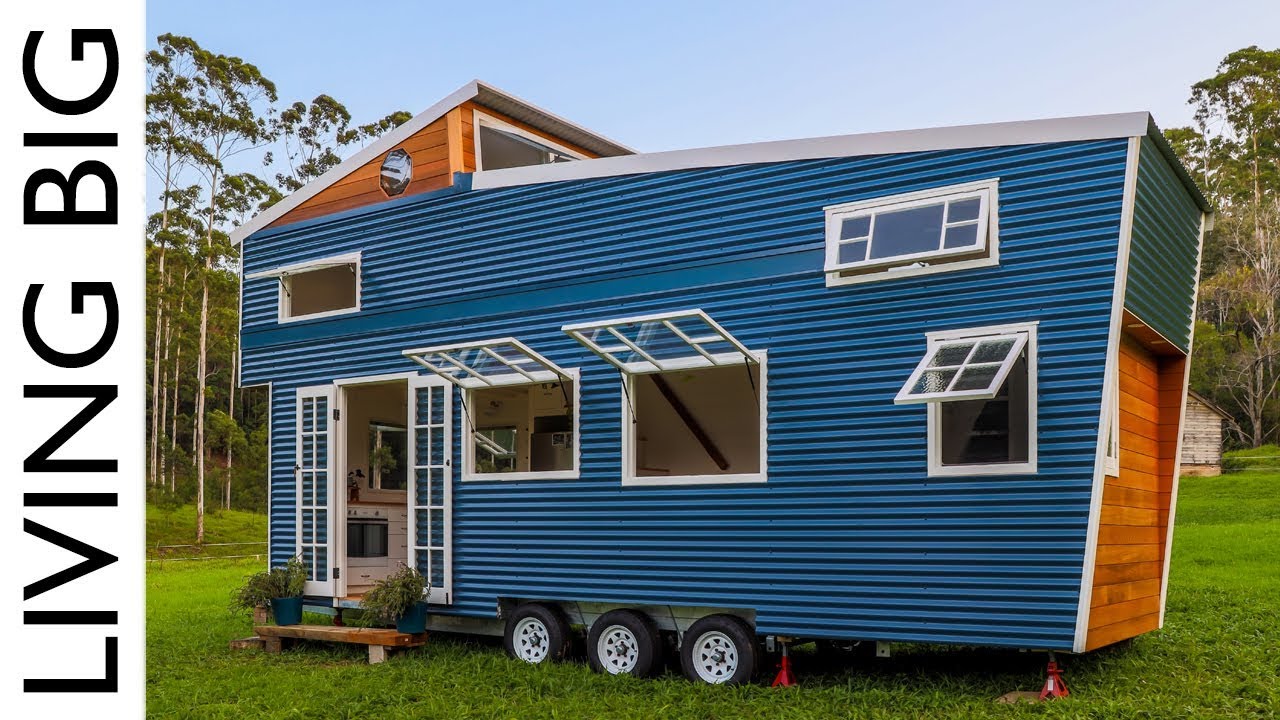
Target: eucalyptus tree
[
  {"x": 1234, "y": 151},
  {"x": 230, "y": 117}
]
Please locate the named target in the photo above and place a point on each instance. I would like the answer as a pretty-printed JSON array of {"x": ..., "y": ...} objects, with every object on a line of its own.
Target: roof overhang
[{"x": 478, "y": 91}]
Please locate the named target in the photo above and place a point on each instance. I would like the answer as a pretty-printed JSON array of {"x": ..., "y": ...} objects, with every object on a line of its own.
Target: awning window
[
  {"x": 490, "y": 363},
  {"x": 963, "y": 369},
  {"x": 351, "y": 260},
  {"x": 656, "y": 343}
]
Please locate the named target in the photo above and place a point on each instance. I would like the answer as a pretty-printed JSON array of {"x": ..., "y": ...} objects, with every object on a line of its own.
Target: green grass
[
  {"x": 1218, "y": 655},
  {"x": 177, "y": 526}
]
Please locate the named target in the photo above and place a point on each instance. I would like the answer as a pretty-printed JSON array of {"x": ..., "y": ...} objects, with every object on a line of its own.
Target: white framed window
[
  {"x": 502, "y": 145},
  {"x": 942, "y": 229},
  {"x": 979, "y": 386},
  {"x": 1111, "y": 459},
  {"x": 317, "y": 288},
  {"x": 694, "y": 398},
  {"x": 520, "y": 410}
]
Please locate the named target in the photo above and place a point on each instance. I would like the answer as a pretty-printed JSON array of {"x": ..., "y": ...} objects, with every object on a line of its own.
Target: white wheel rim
[
  {"x": 715, "y": 657},
  {"x": 530, "y": 640},
  {"x": 618, "y": 650}
]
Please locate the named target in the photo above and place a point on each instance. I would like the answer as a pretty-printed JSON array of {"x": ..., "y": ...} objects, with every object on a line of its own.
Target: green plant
[
  {"x": 261, "y": 588},
  {"x": 392, "y": 596},
  {"x": 382, "y": 459}
]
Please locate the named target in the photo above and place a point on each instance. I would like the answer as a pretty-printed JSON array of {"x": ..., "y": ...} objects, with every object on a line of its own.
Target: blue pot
[
  {"x": 287, "y": 611},
  {"x": 414, "y": 620}
]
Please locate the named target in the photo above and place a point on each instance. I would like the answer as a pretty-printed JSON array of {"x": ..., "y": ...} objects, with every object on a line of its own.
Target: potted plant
[
  {"x": 397, "y": 599},
  {"x": 279, "y": 587}
]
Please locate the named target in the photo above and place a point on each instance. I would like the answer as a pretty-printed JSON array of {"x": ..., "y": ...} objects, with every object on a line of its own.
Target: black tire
[
  {"x": 537, "y": 633},
  {"x": 724, "y": 635},
  {"x": 640, "y": 653}
]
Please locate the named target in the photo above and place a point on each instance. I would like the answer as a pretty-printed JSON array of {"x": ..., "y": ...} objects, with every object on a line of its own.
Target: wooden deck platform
[{"x": 380, "y": 641}]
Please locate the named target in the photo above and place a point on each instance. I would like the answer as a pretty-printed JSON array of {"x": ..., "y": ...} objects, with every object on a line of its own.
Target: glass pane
[
  {"x": 308, "y": 488},
  {"x": 308, "y": 450},
  {"x": 852, "y": 252},
  {"x": 857, "y": 227},
  {"x": 308, "y": 559},
  {"x": 422, "y": 446},
  {"x": 961, "y": 210},
  {"x": 988, "y": 431},
  {"x": 322, "y": 527},
  {"x": 437, "y": 405},
  {"x": 437, "y": 528},
  {"x": 422, "y": 406},
  {"x": 437, "y": 568},
  {"x": 996, "y": 351},
  {"x": 308, "y": 415},
  {"x": 951, "y": 354},
  {"x": 421, "y": 562},
  {"x": 424, "y": 484},
  {"x": 422, "y": 522},
  {"x": 961, "y": 236},
  {"x": 437, "y": 448},
  {"x": 437, "y": 487},
  {"x": 322, "y": 488},
  {"x": 322, "y": 415},
  {"x": 322, "y": 563},
  {"x": 933, "y": 381},
  {"x": 905, "y": 232},
  {"x": 976, "y": 377},
  {"x": 308, "y": 526},
  {"x": 322, "y": 451}
]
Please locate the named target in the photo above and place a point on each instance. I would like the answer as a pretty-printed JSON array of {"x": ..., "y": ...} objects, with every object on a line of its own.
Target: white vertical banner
[{"x": 73, "y": 392}]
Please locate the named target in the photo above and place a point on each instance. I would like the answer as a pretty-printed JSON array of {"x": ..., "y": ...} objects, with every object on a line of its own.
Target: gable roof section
[{"x": 480, "y": 92}]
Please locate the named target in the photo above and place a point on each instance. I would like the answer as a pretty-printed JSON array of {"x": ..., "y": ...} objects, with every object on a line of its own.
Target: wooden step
[{"x": 354, "y": 635}]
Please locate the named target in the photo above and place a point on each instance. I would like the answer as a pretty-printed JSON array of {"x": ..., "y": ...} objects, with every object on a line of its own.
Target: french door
[
  {"x": 430, "y": 425},
  {"x": 316, "y": 486}
]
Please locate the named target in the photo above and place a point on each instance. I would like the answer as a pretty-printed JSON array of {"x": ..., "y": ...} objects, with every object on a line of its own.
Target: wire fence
[{"x": 194, "y": 552}]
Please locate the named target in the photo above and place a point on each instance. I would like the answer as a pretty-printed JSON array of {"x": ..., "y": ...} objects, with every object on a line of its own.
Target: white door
[
  {"x": 317, "y": 488},
  {"x": 431, "y": 484}
]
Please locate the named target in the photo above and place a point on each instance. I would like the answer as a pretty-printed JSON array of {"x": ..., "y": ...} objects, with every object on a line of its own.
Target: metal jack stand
[
  {"x": 785, "y": 677},
  {"x": 1054, "y": 686}
]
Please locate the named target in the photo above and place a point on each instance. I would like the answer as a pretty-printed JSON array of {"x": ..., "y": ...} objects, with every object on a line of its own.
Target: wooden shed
[{"x": 1202, "y": 436}]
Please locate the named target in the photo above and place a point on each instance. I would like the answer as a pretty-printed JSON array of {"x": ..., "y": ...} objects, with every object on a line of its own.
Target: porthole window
[{"x": 397, "y": 171}]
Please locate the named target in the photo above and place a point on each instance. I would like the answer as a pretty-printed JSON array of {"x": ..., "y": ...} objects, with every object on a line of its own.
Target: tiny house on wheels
[{"x": 919, "y": 386}]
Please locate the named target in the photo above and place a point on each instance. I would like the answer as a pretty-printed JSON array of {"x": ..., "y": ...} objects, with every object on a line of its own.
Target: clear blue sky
[{"x": 662, "y": 75}]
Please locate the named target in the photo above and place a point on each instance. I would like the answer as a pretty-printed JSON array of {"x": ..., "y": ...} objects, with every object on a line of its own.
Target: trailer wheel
[
  {"x": 624, "y": 642},
  {"x": 719, "y": 649},
  {"x": 536, "y": 633}
]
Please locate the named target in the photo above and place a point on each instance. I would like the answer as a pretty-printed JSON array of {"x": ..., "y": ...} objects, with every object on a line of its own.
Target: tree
[
  {"x": 312, "y": 135},
  {"x": 1234, "y": 151}
]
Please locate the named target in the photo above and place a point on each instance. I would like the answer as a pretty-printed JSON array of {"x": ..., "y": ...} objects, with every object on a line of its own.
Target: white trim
[
  {"x": 472, "y": 379},
  {"x": 328, "y": 586},
  {"x": 306, "y": 266},
  {"x": 933, "y": 420},
  {"x": 985, "y": 191},
  {"x": 374, "y": 379},
  {"x": 1027, "y": 132},
  {"x": 835, "y": 279},
  {"x": 1111, "y": 432},
  {"x": 1182, "y": 423},
  {"x": 630, "y": 479},
  {"x": 1111, "y": 379},
  {"x": 474, "y": 90},
  {"x": 468, "y": 444},
  {"x": 443, "y": 594},
  {"x": 479, "y": 118},
  {"x": 700, "y": 358}
]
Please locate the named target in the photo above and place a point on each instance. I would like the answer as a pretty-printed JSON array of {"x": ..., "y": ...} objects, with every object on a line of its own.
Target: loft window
[
  {"x": 502, "y": 145},
  {"x": 317, "y": 288},
  {"x": 396, "y": 172},
  {"x": 693, "y": 398},
  {"x": 980, "y": 388},
  {"x": 520, "y": 409},
  {"x": 946, "y": 228}
]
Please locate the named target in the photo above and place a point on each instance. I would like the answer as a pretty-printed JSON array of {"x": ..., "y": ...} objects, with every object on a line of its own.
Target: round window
[{"x": 397, "y": 171}]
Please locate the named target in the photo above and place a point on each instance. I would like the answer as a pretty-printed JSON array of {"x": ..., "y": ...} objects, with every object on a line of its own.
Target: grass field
[
  {"x": 177, "y": 526},
  {"x": 1218, "y": 655}
]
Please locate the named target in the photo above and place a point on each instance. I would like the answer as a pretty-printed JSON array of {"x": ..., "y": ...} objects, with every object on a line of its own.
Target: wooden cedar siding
[
  {"x": 429, "y": 150},
  {"x": 467, "y": 120},
  {"x": 1135, "y": 505}
]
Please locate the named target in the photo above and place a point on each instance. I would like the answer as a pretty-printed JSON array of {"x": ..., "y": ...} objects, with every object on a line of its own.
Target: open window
[
  {"x": 503, "y": 145},
  {"x": 1111, "y": 427},
  {"x": 980, "y": 388},
  {"x": 520, "y": 410},
  {"x": 948, "y": 228},
  {"x": 317, "y": 288},
  {"x": 693, "y": 398}
]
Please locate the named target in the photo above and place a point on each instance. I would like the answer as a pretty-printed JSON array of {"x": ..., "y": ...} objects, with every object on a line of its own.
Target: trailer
[{"x": 918, "y": 386}]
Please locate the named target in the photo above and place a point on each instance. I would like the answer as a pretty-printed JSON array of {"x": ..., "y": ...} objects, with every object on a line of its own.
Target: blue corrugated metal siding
[
  {"x": 282, "y": 534},
  {"x": 849, "y": 537},
  {"x": 1165, "y": 250}
]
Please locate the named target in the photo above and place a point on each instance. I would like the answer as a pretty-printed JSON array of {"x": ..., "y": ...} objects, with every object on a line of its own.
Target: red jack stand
[
  {"x": 785, "y": 677},
  {"x": 1054, "y": 686}
]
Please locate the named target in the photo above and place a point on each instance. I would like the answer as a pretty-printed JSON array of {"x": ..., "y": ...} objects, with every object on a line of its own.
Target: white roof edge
[
  {"x": 1025, "y": 132},
  {"x": 469, "y": 91}
]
